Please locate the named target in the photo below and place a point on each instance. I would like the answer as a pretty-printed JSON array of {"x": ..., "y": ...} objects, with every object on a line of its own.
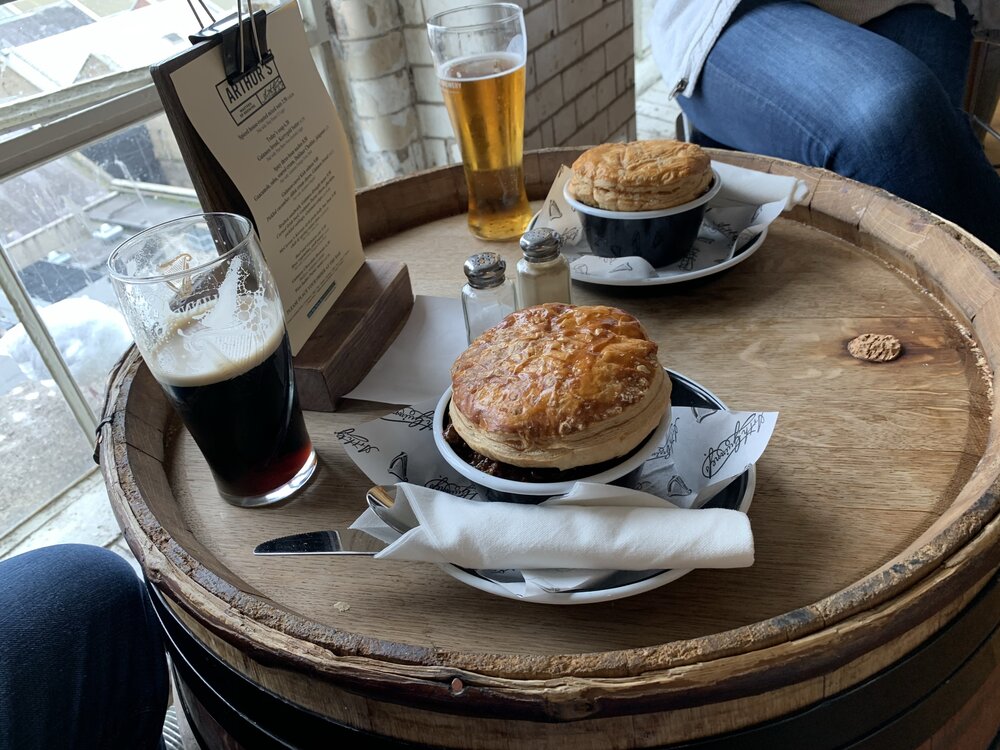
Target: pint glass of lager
[
  {"x": 479, "y": 52},
  {"x": 205, "y": 314}
]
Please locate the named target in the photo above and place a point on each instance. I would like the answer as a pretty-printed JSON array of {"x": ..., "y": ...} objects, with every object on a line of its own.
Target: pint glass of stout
[
  {"x": 479, "y": 52},
  {"x": 205, "y": 314}
]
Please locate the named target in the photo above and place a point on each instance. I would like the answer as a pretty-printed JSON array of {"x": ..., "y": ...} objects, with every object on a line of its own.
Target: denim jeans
[
  {"x": 82, "y": 664},
  {"x": 878, "y": 103}
]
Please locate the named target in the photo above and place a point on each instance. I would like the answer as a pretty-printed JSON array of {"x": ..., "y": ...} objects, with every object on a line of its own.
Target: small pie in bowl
[
  {"x": 641, "y": 175},
  {"x": 559, "y": 387}
]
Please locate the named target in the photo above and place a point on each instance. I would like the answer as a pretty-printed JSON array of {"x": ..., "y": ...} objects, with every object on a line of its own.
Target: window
[
  {"x": 86, "y": 159},
  {"x": 42, "y": 450}
]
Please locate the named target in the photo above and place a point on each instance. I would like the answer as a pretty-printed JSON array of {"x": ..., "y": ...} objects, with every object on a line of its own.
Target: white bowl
[
  {"x": 495, "y": 488},
  {"x": 713, "y": 189}
]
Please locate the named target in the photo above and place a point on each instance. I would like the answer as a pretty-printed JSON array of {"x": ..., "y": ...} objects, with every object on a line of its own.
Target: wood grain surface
[{"x": 874, "y": 517}]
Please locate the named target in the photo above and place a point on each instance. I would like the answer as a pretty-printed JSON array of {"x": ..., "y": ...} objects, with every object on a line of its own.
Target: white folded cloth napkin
[
  {"x": 744, "y": 185},
  {"x": 595, "y": 527}
]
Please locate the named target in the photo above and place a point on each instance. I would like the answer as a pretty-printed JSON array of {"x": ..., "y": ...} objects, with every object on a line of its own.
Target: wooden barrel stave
[
  {"x": 682, "y": 720},
  {"x": 895, "y": 606}
]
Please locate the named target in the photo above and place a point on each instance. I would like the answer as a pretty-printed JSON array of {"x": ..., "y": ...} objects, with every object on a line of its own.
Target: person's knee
[
  {"x": 82, "y": 566},
  {"x": 895, "y": 110},
  {"x": 72, "y": 582},
  {"x": 81, "y": 653}
]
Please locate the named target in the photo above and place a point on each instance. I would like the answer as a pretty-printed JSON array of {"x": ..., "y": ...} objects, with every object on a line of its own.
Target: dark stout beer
[{"x": 244, "y": 415}]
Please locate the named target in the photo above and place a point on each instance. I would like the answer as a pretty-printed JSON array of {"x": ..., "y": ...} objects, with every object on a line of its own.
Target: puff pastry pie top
[
  {"x": 559, "y": 386},
  {"x": 641, "y": 175}
]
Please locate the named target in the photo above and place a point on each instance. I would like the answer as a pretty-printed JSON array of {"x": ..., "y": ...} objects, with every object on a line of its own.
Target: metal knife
[{"x": 333, "y": 542}]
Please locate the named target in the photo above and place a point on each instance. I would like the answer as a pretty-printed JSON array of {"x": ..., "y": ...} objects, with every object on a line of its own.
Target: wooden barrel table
[{"x": 869, "y": 618}]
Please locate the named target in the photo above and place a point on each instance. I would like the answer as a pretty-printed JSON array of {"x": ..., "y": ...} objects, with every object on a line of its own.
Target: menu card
[{"x": 277, "y": 135}]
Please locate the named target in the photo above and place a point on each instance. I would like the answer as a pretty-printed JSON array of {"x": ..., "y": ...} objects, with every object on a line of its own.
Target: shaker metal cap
[
  {"x": 541, "y": 244},
  {"x": 485, "y": 270}
]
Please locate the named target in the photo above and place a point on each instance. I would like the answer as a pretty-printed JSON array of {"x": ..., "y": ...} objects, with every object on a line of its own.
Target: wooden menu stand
[
  {"x": 365, "y": 318},
  {"x": 350, "y": 339}
]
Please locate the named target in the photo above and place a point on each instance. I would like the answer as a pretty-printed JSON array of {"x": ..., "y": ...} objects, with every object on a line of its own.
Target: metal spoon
[
  {"x": 381, "y": 499},
  {"x": 382, "y": 496}
]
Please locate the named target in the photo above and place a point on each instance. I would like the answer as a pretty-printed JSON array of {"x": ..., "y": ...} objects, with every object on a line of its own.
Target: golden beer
[{"x": 485, "y": 99}]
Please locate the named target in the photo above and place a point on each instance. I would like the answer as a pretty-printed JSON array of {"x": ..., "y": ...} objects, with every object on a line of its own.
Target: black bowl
[{"x": 659, "y": 237}]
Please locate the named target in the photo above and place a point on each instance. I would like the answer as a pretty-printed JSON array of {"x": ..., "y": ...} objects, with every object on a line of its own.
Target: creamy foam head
[{"x": 217, "y": 341}]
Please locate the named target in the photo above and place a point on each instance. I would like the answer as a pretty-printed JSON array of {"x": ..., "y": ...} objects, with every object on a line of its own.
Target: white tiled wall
[
  {"x": 374, "y": 75},
  {"x": 646, "y": 74},
  {"x": 580, "y": 79}
]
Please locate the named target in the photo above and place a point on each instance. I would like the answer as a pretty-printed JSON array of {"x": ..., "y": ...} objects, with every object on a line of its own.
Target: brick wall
[
  {"x": 580, "y": 73},
  {"x": 580, "y": 80}
]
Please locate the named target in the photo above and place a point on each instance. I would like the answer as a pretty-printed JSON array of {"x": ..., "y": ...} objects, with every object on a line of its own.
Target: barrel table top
[{"x": 874, "y": 515}]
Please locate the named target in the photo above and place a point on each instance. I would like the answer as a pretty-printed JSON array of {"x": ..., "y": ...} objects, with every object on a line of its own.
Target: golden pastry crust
[
  {"x": 641, "y": 175},
  {"x": 559, "y": 386}
]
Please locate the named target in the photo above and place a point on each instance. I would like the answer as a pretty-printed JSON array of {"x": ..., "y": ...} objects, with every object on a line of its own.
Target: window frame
[{"x": 55, "y": 124}]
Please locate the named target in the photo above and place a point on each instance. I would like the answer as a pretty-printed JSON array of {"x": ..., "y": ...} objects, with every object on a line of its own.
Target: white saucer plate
[
  {"x": 666, "y": 275},
  {"x": 737, "y": 495}
]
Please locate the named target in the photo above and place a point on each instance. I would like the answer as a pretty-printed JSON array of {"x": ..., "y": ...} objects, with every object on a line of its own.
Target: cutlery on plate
[
  {"x": 331, "y": 542},
  {"x": 381, "y": 499},
  {"x": 339, "y": 541},
  {"x": 354, "y": 542}
]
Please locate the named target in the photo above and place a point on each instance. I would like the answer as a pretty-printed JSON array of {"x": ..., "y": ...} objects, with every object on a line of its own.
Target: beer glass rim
[
  {"x": 247, "y": 226},
  {"x": 435, "y": 20}
]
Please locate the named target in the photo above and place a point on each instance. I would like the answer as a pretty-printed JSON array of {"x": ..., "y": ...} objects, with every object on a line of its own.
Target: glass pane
[
  {"x": 64, "y": 218},
  {"x": 42, "y": 449},
  {"x": 49, "y": 45}
]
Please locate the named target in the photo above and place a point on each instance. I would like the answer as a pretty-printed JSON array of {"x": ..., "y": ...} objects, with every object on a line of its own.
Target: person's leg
[
  {"x": 941, "y": 43},
  {"x": 82, "y": 663},
  {"x": 786, "y": 79}
]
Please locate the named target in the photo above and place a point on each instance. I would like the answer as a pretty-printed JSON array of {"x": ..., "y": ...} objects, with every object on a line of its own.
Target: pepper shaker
[
  {"x": 489, "y": 296},
  {"x": 543, "y": 272}
]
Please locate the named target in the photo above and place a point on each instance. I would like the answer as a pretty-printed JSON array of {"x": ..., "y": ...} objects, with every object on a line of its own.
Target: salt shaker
[
  {"x": 489, "y": 296},
  {"x": 543, "y": 272}
]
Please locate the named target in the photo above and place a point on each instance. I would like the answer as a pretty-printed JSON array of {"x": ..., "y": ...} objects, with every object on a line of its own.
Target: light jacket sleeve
[
  {"x": 681, "y": 34},
  {"x": 986, "y": 13}
]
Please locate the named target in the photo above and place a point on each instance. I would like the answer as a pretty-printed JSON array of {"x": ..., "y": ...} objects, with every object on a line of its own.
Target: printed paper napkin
[{"x": 703, "y": 451}]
